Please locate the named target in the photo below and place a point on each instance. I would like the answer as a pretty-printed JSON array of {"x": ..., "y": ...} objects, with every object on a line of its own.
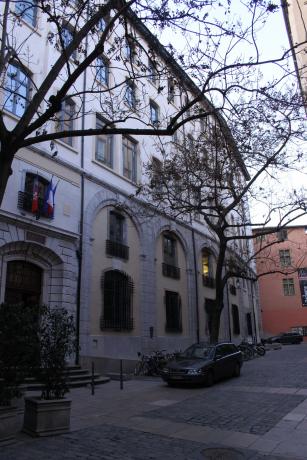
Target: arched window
[
  {"x": 235, "y": 319},
  {"x": 117, "y": 289},
  {"x": 207, "y": 268},
  {"x": 23, "y": 283}
]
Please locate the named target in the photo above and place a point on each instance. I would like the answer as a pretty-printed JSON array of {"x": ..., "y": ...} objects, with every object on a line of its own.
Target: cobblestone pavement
[
  {"x": 260, "y": 416},
  {"x": 232, "y": 410}
]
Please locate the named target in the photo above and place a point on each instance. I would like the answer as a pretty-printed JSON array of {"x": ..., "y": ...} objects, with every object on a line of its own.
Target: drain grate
[{"x": 222, "y": 454}]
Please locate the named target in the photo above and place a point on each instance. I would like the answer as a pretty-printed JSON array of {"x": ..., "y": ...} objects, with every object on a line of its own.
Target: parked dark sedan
[
  {"x": 204, "y": 363},
  {"x": 286, "y": 337}
]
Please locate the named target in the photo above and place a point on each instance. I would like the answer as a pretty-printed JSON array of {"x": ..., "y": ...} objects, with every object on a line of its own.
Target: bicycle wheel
[
  {"x": 138, "y": 368},
  {"x": 260, "y": 350}
]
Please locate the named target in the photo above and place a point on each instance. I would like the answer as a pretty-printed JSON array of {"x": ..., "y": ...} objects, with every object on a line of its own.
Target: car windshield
[{"x": 198, "y": 351}]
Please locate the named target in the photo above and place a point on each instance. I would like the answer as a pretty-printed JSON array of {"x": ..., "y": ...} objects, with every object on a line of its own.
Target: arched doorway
[{"x": 23, "y": 283}]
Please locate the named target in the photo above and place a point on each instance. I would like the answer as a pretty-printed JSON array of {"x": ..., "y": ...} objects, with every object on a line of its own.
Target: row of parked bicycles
[{"x": 151, "y": 364}]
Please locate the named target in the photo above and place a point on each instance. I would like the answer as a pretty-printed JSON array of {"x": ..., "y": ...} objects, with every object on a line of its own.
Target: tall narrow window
[
  {"x": 171, "y": 90},
  {"x": 282, "y": 235},
  {"x": 130, "y": 159},
  {"x": 104, "y": 146},
  {"x": 17, "y": 85},
  {"x": 27, "y": 10},
  {"x": 207, "y": 269},
  {"x": 102, "y": 70},
  {"x": 66, "y": 119},
  {"x": 152, "y": 72},
  {"x": 173, "y": 312},
  {"x": 115, "y": 246},
  {"x": 154, "y": 113},
  {"x": 117, "y": 312},
  {"x": 235, "y": 319},
  {"x": 288, "y": 286},
  {"x": 284, "y": 257},
  {"x": 130, "y": 94},
  {"x": 169, "y": 265},
  {"x": 67, "y": 36}
]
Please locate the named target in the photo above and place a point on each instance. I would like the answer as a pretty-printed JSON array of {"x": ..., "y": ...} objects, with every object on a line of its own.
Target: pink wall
[{"x": 280, "y": 312}]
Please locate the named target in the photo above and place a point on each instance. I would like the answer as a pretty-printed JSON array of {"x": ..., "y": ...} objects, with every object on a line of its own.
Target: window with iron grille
[
  {"x": 207, "y": 269},
  {"x": 235, "y": 319},
  {"x": 171, "y": 90},
  {"x": 65, "y": 120},
  {"x": 17, "y": 87},
  {"x": 26, "y": 196},
  {"x": 169, "y": 265},
  {"x": 173, "y": 312},
  {"x": 27, "y": 10},
  {"x": 288, "y": 286},
  {"x": 130, "y": 158},
  {"x": 284, "y": 257},
  {"x": 104, "y": 145},
  {"x": 117, "y": 289}
]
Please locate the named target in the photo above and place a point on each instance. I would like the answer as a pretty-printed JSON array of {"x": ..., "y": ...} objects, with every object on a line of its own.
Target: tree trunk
[
  {"x": 219, "y": 293},
  {"x": 5, "y": 172}
]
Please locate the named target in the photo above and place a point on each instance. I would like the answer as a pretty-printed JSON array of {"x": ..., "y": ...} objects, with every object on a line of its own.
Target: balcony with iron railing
[
  {"x": 115, "y": 249},
  {"x": 208, "y": 281},
  {"x": 170, "y": 271},
  {"x": 25, "y": 202}
]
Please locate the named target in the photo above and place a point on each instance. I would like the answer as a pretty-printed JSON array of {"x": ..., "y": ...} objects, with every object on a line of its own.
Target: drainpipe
[
  {"x": 253, "y": 308},
  {"x": 228, "y": 304},
  {"x": 196, "y": 281},
  {"x": 79, "y": 251}
]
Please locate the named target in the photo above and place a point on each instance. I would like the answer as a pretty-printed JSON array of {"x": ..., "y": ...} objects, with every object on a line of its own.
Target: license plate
[{"x": 177, "y": 377}]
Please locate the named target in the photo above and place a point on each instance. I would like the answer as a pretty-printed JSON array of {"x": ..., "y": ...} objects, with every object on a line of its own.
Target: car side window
[{"x": 219, "y": 351}]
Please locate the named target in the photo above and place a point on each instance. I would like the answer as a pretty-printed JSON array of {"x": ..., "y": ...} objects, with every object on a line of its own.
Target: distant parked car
[
  {"x": 204, "y": 363},
  {"x": 286, "y": 337}
]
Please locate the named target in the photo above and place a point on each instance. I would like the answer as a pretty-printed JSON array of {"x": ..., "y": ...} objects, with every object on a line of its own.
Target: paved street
[{"x": 260, "y": 416}]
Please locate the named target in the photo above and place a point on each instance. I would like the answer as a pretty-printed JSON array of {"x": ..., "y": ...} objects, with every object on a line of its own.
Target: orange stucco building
[{"x": 283, "y": 291}]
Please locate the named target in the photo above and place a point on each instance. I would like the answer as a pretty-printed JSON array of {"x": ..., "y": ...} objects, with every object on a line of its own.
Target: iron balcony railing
[
  {"x": 115, "y": 249},
  {"x": 117, "y": 324},
  {"x": 171, "y": 271},
  {"x": 25, "y": 202}
]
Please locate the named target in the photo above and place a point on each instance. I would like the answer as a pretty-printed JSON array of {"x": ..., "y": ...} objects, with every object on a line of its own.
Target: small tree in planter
[
  {"x": 19, "y": 355},
  {"x": 50, "y": 414}
]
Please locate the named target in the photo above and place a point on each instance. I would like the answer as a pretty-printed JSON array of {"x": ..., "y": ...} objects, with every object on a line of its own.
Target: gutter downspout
[
  {"x": 196, "y": 282},
  {"x": 81, "y": 232}
]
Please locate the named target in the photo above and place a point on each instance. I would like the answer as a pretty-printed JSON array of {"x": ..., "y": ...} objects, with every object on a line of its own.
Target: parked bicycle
[
  {"x": 151, "y": 364},
  {"x": 251, "y": 350}
]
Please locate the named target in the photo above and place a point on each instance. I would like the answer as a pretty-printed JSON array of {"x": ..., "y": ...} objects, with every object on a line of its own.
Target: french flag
[
  {"x": 49, "y": 200},
  {"x": 34, "y": 207}
]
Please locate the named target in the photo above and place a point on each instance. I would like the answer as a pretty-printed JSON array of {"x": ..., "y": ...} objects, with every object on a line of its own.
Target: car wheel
[
  {"x": 237, "y": 370},
  {"x": 209, "y": 379}
]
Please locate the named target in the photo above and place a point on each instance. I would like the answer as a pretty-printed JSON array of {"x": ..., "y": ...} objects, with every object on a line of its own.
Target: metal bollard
[
  {"x": 93, "y": 378},
  {"x": 121, "y": 380}
]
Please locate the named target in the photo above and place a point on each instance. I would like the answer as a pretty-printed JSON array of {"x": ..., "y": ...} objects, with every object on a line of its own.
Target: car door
[{"x": 221, "y": 364}]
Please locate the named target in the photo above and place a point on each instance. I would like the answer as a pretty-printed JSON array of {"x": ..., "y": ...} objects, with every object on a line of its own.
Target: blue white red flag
[{"x": 49, "y": 200}]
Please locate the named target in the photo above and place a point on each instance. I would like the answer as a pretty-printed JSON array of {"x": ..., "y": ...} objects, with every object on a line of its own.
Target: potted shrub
[
  {"x": 18, "y": 356},
  {"x": 49, "y": 414}
]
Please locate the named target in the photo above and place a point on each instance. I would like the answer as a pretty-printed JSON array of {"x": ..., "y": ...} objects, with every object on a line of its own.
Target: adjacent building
[
  {"x": 133, "y": 282},
  {"x": 295, "y": 14},
  {"x": 282, "y": 258}
]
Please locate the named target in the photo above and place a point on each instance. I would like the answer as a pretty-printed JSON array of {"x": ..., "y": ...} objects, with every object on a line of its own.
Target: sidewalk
[{"x": 148, "y": 420}]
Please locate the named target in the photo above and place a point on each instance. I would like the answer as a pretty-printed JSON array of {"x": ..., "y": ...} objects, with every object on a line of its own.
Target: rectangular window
[
  {"x": 169, "y": 250},
  {"x": 66, "y": 119},
  {"x": 154, "y": 113},
  {"x": 67, "y": 36},
  {"x": 288, "y": 286},
  {"x": 282, "y": 235},
  {"x": 35, "y": 196},
  {"x": 130, "y": 95},
  {"x": 17, "y": 85},
  {"x": 152, "y": 72},
  {"x": 102, "y": 71},
  {"x": 173, "y": 312},
  {"x": 284, "y": 257},
  {"x": 27, "y": 10},
  {"x": 104, "y": 146},
  {"x": 156, "y": 175},
  {"x": 171, "y": 90},
  {"x": 130, "y": 159},
  {"x": 116, "y": 227}
]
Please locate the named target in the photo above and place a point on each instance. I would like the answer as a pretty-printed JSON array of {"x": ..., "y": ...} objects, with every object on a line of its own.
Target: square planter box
[
  {"x": 46, "y": 417},
  {"x": 9, "y": 424}
]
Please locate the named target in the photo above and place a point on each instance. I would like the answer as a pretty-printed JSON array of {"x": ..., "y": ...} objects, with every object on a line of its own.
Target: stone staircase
[{"x": 77, "y": 377}]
